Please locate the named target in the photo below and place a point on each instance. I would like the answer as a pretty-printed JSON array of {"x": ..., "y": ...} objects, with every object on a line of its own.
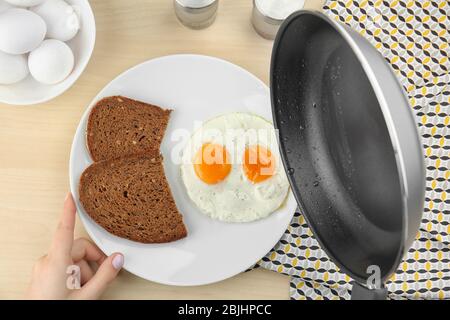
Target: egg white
[
  {"x": 13, "y": 68},
  {"x": 51, "y": 62},
  {"x": 235, "y": 199},
  {"x": 21, "y": 31},
  {"x": 61, "y": 18}
]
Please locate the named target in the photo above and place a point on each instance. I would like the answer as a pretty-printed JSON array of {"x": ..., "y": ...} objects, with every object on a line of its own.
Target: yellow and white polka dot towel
[{"x": 414, "y": 37}]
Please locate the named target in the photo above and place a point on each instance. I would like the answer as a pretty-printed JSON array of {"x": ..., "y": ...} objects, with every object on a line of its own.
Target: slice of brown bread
[
  {"x": 120, "y": 126},
  {"x": 130, "y": 197}
]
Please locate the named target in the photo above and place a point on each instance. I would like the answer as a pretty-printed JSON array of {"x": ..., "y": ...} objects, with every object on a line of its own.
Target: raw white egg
[
  {"x": 25, "y": 3},
  {"x": 20, "y": 31},
  {"x": 13, "y": 68},
  {"x": 62, "y": 20},
  {"x": 4, "y": 6},
  {"x": 231, "y": 168},
  {"x": 51, "y": 62}
]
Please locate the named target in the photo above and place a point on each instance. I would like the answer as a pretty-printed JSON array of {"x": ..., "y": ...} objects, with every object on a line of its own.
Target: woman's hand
[{"x": 66, "y": 271}]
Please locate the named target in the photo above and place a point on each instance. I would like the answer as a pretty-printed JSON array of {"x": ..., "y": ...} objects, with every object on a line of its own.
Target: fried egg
[{"x": 232, "y": 170}]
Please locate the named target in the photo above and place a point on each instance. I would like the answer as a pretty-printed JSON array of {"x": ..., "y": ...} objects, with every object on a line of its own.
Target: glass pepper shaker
[{"x": 196, "y": 14}]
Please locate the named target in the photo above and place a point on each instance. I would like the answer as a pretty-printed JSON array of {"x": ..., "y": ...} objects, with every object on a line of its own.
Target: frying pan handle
[{"x": 360, "y": 292}]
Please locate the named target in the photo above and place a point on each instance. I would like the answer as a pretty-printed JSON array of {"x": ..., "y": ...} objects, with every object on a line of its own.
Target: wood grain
[{"x": 36, "y": 140}]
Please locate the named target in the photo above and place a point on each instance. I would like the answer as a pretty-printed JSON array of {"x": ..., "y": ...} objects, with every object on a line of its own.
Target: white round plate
[
  {"x": 29, "y": 91},
  {"x": 196, "y": 88}
]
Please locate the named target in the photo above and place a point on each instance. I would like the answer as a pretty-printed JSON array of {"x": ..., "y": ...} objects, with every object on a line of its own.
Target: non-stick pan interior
[{"x": 336, "y": 146}]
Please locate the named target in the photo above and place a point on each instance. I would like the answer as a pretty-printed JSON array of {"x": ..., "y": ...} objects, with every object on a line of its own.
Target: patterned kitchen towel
[{"x": 414, "y": 37}]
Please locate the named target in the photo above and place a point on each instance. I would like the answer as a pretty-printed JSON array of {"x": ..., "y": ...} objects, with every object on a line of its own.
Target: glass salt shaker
[{"x": 268, "y": 15}]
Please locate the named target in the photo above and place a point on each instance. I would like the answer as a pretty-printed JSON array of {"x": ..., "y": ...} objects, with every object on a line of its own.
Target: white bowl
[{"x": 29, "y": 91}]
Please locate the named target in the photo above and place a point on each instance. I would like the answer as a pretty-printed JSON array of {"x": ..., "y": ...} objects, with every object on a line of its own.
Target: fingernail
[
  {"x": 117, "y": 261},
  {"x": 67, "y": 196}
]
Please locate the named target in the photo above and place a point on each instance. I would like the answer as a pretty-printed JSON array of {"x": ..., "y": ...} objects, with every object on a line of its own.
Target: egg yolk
[
  {"x": 212, "y": 163},
  {"x": 259, "y": 163}
]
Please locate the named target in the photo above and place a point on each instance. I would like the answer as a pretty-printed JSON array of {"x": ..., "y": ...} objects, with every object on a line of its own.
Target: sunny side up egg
[{"x": 232, "y": 170}]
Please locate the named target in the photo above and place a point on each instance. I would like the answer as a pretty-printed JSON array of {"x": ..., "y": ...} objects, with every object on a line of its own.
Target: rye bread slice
[
  {"x": 120, "y": 126},
  {"x": 130, "y": 198}
]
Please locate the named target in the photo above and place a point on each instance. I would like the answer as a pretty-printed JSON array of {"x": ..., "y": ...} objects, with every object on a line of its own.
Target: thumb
[{"x": 105, "y": 274}]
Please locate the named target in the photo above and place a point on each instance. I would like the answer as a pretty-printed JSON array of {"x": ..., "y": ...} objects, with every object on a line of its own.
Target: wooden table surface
[{"x": 35, "y": 140}]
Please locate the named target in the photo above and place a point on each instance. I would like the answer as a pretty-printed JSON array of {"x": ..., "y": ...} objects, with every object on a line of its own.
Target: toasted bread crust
[
  {"x": 119, "y": 126},
  {"x": 130, "y": 198}
]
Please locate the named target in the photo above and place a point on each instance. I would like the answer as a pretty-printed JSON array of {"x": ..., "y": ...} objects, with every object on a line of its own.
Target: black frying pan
[{"x": 350, "y": 144}]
